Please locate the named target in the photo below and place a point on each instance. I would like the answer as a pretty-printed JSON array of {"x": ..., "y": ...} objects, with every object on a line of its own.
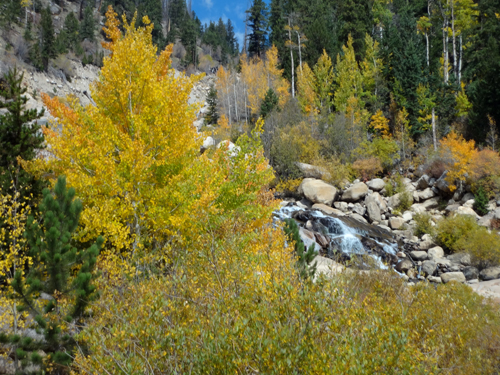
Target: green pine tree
[
  {"x": 257, "y": 21},
  {"x": 305, "y": 257},
  {"x": 212, "y": 115},
  {"x": 481, "y": 201},
  {"x": 19, "y": 137},
  {"x": 269, "y": 103},
  {"x": 55, "y": 260},
  {"x": 87, "y": 27},
  {"x": 47, "y": 38}
]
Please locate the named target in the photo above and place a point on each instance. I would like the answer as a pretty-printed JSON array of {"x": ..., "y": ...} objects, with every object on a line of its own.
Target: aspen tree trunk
[
  {"x": 455, "y": 70},
  {"x": 445, "y": 51},
  {"x": 427, "y": 45},
  {"x": 460, "y": 60},
  {"x": 434, "y": 138},
  {"x": 300, "y": 52},
  {"x": 291, "y": 57},
  {"x": 235, "y": 102}
]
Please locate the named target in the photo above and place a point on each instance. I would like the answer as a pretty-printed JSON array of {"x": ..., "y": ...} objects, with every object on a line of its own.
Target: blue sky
[{"x": 207, "y": 10}]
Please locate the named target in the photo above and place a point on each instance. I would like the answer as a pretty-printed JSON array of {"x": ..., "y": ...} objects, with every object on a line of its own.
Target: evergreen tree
[
  {"x": 232, "y": 43},
  {"x": 153, "y": 9},
  {"x": 212, "y": 115},
  {"x": 87, "y": 27},
  {"x": 257, "y": 21},
  {"x": 47, "y": 38},
  {"x": 305, "y": 264},
  {"x": 356, "y": 19},
  {"x": 269, "y": 103},
  {"x": 55, "y": 259},
  {"x": 19, "y": 137}
]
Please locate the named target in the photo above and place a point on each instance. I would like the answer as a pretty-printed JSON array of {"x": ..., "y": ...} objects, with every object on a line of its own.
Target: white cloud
[{"x": 208, "y": 4}]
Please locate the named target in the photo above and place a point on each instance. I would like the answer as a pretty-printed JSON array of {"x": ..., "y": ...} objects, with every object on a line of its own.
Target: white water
[{"x": 345, "y": 237}]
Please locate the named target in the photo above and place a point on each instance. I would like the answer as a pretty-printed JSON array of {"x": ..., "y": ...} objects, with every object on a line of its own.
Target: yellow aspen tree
[
  {"x": 380, "y": 124},
  {"x": 459, "y": 156},
  {"x": 125, "y": 154},
  {"x": 275, "y": 76},
  {"x": 223, "y": 85},
  {"x": 256, "y": 82},
  {"x": 371, "y": 68},
  {"x": 306, "y": 93},
  {"x": 348, "y": 78},
  {"x": 323, "y": 81}
]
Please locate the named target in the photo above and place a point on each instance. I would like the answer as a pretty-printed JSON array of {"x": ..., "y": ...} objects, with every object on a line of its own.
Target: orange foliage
[
  {"x": 486, "y": 163},
  {"x": 380, "y": 124},
  {"x": 459, "y": 156}
]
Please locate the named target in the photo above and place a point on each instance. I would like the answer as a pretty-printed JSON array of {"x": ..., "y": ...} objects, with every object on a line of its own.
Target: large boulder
[
  {"x": 423, "y": 182},
  {"x": 435, "y": 252},
  {"x": 490, "y": 273},
  {"x": 429, "y": 267},
  {"x": 376, "y": 184},
  {"x": 318, "y": 191},
  {"x": 418, "y": 255},
  {"x": 373, "y": 211},
  {"x": 460, "y": 258},
  {"x": 442, "y": 184},
  {"x": 471, "y": 273},
  {"x": 424, "y": 194},
  {"x": 431, "y": 203},
  {"x": 396, "y": 222},
  {"x": 327, "y": 209},
  {"x": 377, "y": 198},
  {"x": 313, "y": 171},
  {"x": 453, "y": 276},
  {"x": 355, "y": 192},
  {"x": 231, "y": 148},
  {"x": 404, "y": 265},
  {"x": 466, "y": 211}
]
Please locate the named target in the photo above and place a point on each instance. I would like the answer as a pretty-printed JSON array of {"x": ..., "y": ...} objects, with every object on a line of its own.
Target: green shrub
[
  {"x": 481, "y": 201},
  {"x": 483, "y": 246},
  {"x": 452, "y": 229},
  {"x": 424, "y": 224}
]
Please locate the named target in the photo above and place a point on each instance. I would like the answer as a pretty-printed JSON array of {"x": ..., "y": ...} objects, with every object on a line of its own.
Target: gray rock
[
  {"x": 376, "y": 184},
  {"x": 418, "y": 208},
  {"x": 451, "y": 208},
  {"x": 407, "y": 216},
  {"x": 431, "y": 203},
  {"x": 429, "y": 267},
  {"x": 313, "y": 171},
  {"x": 359, "y": 218},
  {"x": 423, "y": 182},
  {"x": 208, "y": 142},
  {"x": 467, "y": 197},
  {"x": 466, "y": 211},
  {"x": 490, "y": 273},
  {"x": 55, "y": 9},
  {"x": 342, "y": 206},
  {"x": 420, "y": 171},
  {"x": 435, "y": 252},
  {"x": 418, "y": 255},
  {"x": 453, "y": 276},
  {"x": 373, "y": 211},
  {"x": 426, "y": 244},
  {"x": 471, "y": 273},
  {"x": 435, "y": 279},
  {"x": 355, "y": 192},
  {"x": 396, "y": 222},
  {"x": 318, "y": 191},
  {"x": 377, "y": 198},
  {"x": 404, "y": 265},
  {"x": 424, "y": 194},
  {"x": 327, "y": 209},
  {"x": 359, "y": 209},
  {"x": 460, "y": 258}
]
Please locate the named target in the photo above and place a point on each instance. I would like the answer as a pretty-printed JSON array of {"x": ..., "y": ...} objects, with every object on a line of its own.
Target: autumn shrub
[
  {"x": 64, "y": 64},
  {"x": 451, "y": 230},
  {"x": 483, "y": 246},
  {"x": 288, "y": 187},
  {"x": 423, "y": 224},
  {"x": 367, "y": 169},
  {"x": 459, "y": 156},
  {"x": 385, "y": 150},
  {"x": 338, "y": 173},
  {"x": 486, "y": 163},
  {"x": 357, "y": 323}
]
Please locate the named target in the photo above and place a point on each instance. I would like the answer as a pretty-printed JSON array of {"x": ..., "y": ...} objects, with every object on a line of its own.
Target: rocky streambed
[{"x": 360, "y": 226}]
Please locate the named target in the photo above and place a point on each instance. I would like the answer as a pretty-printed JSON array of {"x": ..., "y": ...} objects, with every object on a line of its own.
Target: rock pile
[{"x": 368, "y": 203}]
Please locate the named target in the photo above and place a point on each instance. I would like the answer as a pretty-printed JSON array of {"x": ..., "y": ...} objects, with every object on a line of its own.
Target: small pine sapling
[
  {"x": 269, "y": 103},
  {"x": 304, "y": 264},
  {"x": 481, "y": 202},
  {"x": 55, "y": 259},
  {"x": 212, "y": 116}
]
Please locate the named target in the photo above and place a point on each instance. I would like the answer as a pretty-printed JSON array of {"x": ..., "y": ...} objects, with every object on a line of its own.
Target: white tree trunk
[{"x": 434, "y": 138}]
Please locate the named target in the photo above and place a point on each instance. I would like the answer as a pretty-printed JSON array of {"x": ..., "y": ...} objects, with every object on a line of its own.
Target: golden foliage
[
  {"x": 306, "y": 90},
  {"x": 261, "y": 75},
  {"x": 367, "y": 168},
  {"x": 459, "y": 156},
  {"x": 380, "y": 124}
]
